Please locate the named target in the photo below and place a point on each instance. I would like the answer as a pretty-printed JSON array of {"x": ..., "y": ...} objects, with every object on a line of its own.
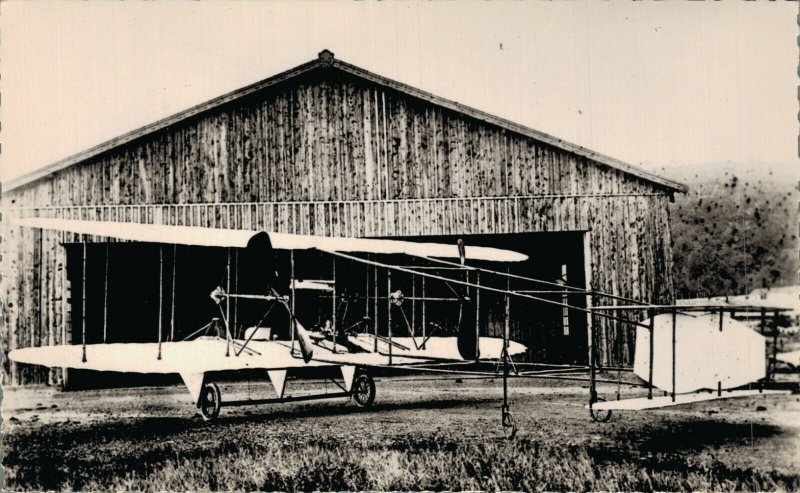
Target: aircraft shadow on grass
[{"x": 692, "y": 436}]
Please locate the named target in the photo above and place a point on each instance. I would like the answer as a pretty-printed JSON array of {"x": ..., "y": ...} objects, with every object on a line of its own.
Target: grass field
[{"x": 420, "y": 435}]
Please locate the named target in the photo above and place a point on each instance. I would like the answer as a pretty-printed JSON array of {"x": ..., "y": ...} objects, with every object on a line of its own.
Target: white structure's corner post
[{"x": 674, "y": 356}]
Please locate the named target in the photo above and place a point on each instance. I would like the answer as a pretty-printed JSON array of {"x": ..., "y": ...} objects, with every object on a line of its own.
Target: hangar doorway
[
  {"x": 552, "y": 333},
  {"x": 119, "y": 291}
]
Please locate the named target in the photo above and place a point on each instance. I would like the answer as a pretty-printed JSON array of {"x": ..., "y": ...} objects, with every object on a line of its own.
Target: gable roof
[{"x": 326, "y": 59}]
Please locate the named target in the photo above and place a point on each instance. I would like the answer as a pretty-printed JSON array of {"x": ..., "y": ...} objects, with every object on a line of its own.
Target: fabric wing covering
[
  {"x": 705, "y": 356},
  {"x": 239, "y": 238}
]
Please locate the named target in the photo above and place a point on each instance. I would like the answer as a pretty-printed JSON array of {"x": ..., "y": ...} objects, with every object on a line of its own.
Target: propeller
[
  {"x": 260, "y": 257},
  {"x": 305, "y": 341},
  {"x": 300, "y": 332},
  {"x": 467, "y": 338}
]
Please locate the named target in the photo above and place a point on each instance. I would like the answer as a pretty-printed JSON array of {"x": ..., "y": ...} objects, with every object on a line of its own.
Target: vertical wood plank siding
[
  {"x": 330, "y": 154},
  {"x": 323, "y": 140}
]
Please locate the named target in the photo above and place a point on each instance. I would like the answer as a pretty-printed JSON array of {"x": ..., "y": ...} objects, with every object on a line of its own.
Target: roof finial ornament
[{"x": 325, "y": 56}]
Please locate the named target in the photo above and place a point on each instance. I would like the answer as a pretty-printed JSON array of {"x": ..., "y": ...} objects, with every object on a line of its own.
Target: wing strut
[
  {"x": 172, "y": 298},
  {"x": 507, "y": 419},
  {"x": 105, "y": 298},
  {"x": 294, "y": 293},
  {"x": 389, "y": 311},
  {"x": 83, "y": 305},
  {"x": 160, "y": 296}
]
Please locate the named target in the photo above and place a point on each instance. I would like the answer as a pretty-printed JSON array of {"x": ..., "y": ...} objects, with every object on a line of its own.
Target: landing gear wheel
[
  {"x": 364, "y": 390},
  {"x": 210, "y": 401},
  {"x": 599, "y": 416},
  {"x": 509, "y": 425}
]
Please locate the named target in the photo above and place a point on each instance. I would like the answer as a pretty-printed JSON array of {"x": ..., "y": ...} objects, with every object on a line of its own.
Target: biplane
[{"x": 691, "y": 354}]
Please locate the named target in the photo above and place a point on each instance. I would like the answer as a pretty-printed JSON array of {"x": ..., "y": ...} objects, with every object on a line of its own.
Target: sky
[{"x": 654, "y": 84}]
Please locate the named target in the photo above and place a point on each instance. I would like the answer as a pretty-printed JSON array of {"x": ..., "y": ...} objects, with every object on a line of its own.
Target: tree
[{"x": 732, "y": 235}]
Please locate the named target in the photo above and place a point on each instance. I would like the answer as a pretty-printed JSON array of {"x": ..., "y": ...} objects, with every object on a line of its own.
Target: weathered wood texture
[
  {"x": 326, "y": 138},
  {"x": 327, "y": 153}
]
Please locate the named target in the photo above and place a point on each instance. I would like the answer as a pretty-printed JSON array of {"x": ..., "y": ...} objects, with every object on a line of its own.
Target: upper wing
[{"x": 239, "y": 238}]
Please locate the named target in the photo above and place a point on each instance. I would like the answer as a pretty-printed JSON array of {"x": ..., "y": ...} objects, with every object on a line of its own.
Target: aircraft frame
[{"x": 464, "y": 281}]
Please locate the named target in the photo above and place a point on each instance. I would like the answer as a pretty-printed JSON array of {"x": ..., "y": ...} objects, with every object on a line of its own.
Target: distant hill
[{"x": 736, "y": 229}]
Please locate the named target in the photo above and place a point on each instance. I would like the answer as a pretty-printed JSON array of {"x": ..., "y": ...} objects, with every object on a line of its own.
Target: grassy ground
[{"x": 421, "y": 435}]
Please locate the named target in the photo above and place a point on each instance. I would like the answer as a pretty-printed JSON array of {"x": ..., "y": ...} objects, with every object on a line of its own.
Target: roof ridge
[{"x": 326, "y": 58}]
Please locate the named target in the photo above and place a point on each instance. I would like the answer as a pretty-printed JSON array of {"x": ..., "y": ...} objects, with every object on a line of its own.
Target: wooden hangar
[{"x": 330, "y": 149}]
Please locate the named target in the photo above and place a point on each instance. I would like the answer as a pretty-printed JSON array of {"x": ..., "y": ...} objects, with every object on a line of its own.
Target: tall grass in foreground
[{"x": 436, "y": 463}]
